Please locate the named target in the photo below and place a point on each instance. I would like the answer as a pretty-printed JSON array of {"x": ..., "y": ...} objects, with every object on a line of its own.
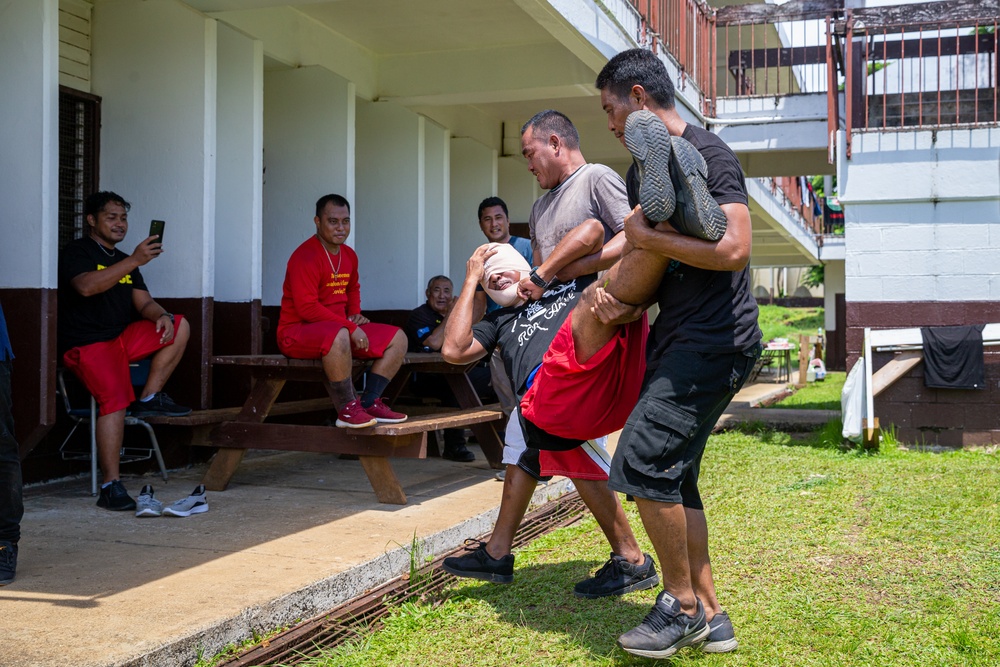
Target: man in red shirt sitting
[{"x": 321, "y": 319}]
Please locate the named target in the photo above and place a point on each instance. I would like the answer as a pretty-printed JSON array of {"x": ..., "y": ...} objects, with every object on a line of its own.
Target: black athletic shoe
[
  {"x": 696, "y": 213},
  {"x": 665, "y": 630},
  {"x": 114, "y": 497},
  {"x": 618, "y": 577},
  {"x": 8, "y": 562},
  {"x": 648, "y": 141},
  {"x": 458, "y": 452},
  {"x": 160, "y": 405},
  {"x": 721, "y": 636},
  {"x": 478, "y": 564}
]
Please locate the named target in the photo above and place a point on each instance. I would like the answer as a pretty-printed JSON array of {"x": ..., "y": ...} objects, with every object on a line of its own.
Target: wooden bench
[{"x": 247, "y": 429}]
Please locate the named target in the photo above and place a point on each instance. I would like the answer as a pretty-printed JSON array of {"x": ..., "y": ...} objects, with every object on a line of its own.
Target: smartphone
[{"x": 156, "y": 228}]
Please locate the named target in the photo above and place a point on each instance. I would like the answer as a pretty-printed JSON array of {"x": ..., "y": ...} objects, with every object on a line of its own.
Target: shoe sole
[
  {"x": 386, "y": 420},
  {"x": 648, "y": 140},
  {"x": 157, "y": 413},
  {"x": 637, "y": 586},
  {"x": 696, "y": 213},
  {"x": 343, "y": 424},
  {"x": 483, "y": 576},
  {"x": 147, "y": 513},
  {"x": 126, "y": 508},
  {"x": 197, "y": 509},
  {"x": 673, "y": 648},
  {"x": 724, "y": 646}
]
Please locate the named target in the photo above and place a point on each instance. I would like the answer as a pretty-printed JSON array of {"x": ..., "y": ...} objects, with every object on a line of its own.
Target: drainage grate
[{"x": 360, "y": 616}]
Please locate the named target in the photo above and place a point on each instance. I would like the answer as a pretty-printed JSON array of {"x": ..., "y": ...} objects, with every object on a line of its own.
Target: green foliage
[
  {"x": 814, "y": 276},
  {"x": 820, "y": 395},
  {"x": 782, "y": 322}
]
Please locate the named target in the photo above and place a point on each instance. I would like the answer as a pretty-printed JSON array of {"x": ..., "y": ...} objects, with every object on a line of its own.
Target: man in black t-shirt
[
  {"x": 107, "y": 318},
  {"x": 425, "y": 332},
  {"x": 700, "y": 351}
]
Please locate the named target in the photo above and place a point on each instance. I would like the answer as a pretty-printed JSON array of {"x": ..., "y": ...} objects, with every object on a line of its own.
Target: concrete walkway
[{"x": 293, "y": 536}]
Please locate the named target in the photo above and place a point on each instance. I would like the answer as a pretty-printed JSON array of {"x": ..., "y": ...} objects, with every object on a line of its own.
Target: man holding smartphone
[{"x": 107, "y": 318}]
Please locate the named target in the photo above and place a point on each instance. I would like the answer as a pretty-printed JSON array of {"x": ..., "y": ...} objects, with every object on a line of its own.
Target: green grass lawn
[
  {"x": 821, "y": 556},
  {"x": 781, "y": 322},
  {"x": 823, "y": 395}
]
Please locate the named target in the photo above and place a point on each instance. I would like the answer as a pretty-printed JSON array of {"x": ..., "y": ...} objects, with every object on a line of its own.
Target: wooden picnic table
[{"x": 373, "y": 446}]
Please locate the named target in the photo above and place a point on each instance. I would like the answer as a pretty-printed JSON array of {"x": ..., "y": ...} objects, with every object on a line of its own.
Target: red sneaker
[
  {"x": 383, "y": 414},
  {"x": 353, "y": 415}
]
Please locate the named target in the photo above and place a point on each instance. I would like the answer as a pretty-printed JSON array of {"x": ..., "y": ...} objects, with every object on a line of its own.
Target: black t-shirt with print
[
  {"x": 524, "y": 333},
  {"x": 92, "y": 319},
  {"x": 422, "y": 321},
  {"x": 703, "y": 310}
]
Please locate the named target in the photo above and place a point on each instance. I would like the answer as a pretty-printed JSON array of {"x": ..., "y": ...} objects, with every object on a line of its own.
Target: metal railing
[
  {"x": 686, "y": 30},
  {"x": 931, "y": 74}
]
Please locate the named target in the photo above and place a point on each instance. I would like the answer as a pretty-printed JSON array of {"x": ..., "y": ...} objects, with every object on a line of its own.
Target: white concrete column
[
  {"x": 308, "y": 152},
  {"x": 29, "y": 143},
  {"x": 473, "y": 178},
  {"x": 390, "y": 216},
  {"x": 437, "y": 203},
  {"x": 239, "y": 167},
  {"x": 834, "y": 283},
  {"x": 154, "y": 65}
]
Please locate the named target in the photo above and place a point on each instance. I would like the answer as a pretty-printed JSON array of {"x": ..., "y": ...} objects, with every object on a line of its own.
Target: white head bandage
[{"x": 506, "y": 259}]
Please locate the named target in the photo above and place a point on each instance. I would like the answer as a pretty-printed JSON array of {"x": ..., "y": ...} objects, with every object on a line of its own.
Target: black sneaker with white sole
[
  {"x": 159, "y": 405},
  {"x": 479, "y": 564},
  {"x": 665, "y": 630},
  {"x": 618, "y": 577},
  {"x": 648, "y": 141}
]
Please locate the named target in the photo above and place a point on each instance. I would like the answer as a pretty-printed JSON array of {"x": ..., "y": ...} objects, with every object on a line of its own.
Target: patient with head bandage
[{"x": 502, "y": 273}]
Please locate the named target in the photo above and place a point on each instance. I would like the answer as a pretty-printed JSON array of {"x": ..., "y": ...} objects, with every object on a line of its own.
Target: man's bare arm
[
  {"x": 602, "y": 259},
  {"x": 730, "y": 253},
  {"x": 460, "y": 346}
]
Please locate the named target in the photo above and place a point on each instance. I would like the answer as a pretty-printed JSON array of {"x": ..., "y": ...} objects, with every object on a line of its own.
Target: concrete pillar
[
  {"x": 437, "y": 203},
  {"x": 833, "y": 283},
  {"x": 29, "y": 143},
  {"x": 308, "y": 152},
  {"x": 390, "y": 216},
  {"x": 473, "y": 178},
  {"x": 239, "y": 167}
]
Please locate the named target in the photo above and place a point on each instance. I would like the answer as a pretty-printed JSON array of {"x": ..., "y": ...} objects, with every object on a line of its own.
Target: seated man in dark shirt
[
  {"x": 107, "y": 318},
  {"x": 425, "y": 331}
]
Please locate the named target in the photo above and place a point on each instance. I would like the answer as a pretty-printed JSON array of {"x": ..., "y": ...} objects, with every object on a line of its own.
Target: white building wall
[
  {"x": 29, "y": 143},
  {"x": 389, "y": 217},
  {"x": 308, "y": 152},
  {"x": 927, "y": 227},
  {"x": 154, "y": 65},
  {"x": 517, "y": 187},
  {"x": 473, "y": 178},
  {"x": 238, "y": 205}
]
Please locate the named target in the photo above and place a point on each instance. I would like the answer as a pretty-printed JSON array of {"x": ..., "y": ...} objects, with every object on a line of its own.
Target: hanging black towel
[{"x": 953, "y": 357}]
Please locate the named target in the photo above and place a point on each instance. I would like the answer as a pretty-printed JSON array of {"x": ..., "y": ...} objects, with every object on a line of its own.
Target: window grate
[{"x": 79, "y": 146}]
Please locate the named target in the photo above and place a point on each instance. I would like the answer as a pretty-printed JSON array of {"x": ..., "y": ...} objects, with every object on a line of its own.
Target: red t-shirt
[{"x": 320, "y": 287}]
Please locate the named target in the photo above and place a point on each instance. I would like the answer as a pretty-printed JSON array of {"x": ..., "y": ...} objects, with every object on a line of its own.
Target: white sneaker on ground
[
  {"x": 146, "y": 504},
  {"x": 196, "y": 503}
]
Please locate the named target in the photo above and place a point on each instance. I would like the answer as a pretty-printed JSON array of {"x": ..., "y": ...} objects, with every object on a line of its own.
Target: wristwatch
[
  {"x": 170, "y": 315},
  {"x": 537, "y": 279}
]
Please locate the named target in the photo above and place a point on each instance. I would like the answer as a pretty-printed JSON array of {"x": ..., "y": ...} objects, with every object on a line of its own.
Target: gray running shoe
[
  {"x": 722, "y": 637},
  {"x": 648, "y": 141},
  {"x": 618, "y": 577},
  {"x": 196, "y": 503},
  {"x": 696, "y": 212},
  {"x": 665, "y": 630},
  {"x": 146, "y": 504}
]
